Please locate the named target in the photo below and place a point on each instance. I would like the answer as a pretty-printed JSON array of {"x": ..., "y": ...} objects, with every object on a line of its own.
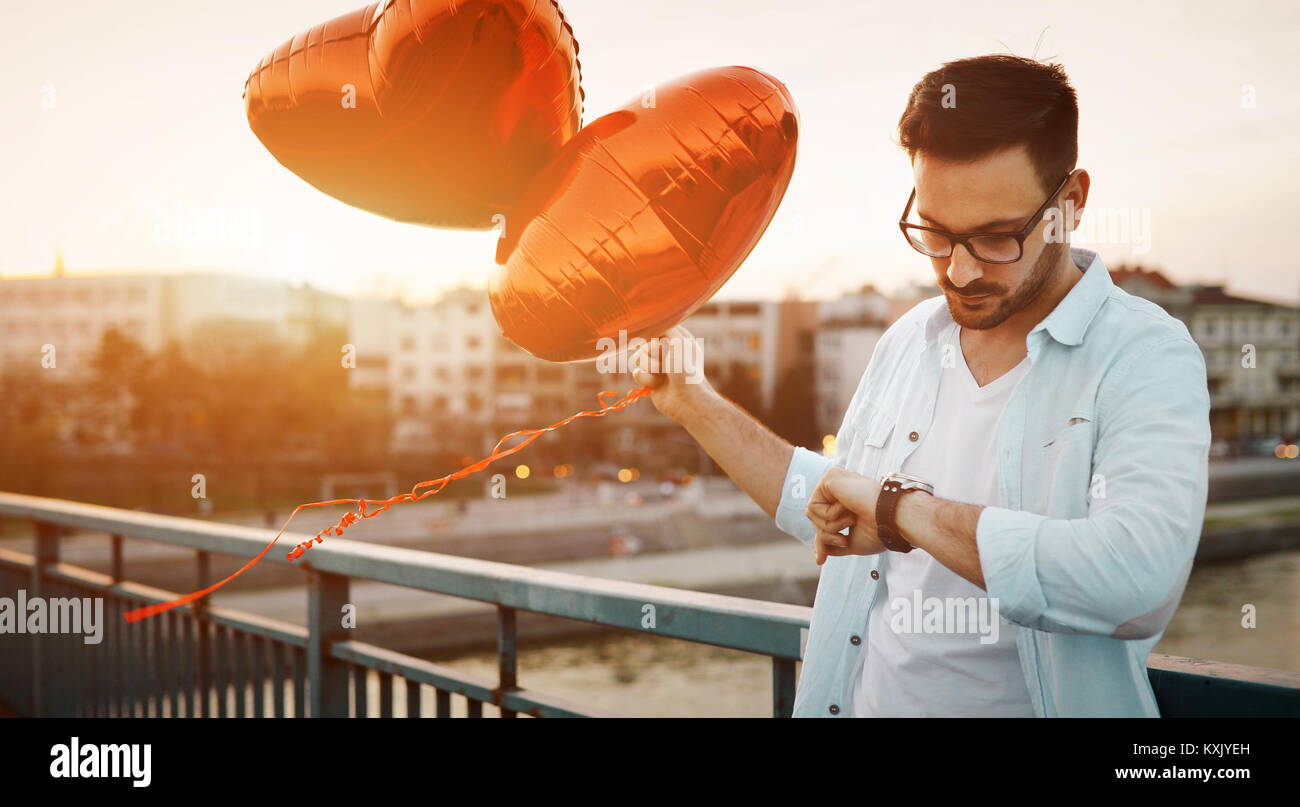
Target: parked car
[
  {"x": 1260, "y": 446},
  {"x": 1221, "y": 449}
]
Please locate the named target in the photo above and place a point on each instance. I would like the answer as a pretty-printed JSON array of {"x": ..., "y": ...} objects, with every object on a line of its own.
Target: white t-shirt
[{"x": 939, "y": 657}]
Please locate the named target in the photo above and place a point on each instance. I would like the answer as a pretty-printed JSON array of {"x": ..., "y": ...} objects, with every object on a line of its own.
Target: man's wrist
[
  {"x": 921, "y": 518},
  {"x": 894, "y": 490},
  {"x": 946, "y": 530},
  {"x": 694, "y": 407},
  {"x": 913, "y": 511}
]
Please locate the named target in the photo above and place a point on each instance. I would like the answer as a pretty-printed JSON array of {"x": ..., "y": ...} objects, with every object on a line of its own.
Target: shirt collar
[{"x": 1070, "y": 319}]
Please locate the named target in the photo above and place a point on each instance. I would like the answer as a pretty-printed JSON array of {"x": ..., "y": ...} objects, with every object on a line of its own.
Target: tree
[
  {"x": 739, "y": 386},
  {"x": 794, "y": 413}
]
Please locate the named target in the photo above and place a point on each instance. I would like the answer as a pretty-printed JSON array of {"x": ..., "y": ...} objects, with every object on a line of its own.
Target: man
[{"x": 1051, "y": 432}]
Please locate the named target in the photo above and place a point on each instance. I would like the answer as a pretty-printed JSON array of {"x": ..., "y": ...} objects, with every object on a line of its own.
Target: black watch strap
[{"x": 891, "y": 491}]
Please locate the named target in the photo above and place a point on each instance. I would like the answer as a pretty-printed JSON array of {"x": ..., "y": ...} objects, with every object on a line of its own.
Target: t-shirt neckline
[{"x": 994, "y": 387}]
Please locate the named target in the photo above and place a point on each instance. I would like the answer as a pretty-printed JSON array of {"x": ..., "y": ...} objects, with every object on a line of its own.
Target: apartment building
[
  {"x": 198, "y": 310},
  {"x": 71, "y": 314},
  {"x": 1251, "y": 347},
  {"x": 848, "y": 329}
]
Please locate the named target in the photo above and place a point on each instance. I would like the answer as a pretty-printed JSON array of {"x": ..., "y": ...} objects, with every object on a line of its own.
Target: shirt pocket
[
  {"x": 1068, "y": 451},
  {"x": 870, "y": 430}
]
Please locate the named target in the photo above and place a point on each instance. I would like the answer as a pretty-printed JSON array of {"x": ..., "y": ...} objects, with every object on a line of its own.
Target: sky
[{"x": 122, "y": 119}]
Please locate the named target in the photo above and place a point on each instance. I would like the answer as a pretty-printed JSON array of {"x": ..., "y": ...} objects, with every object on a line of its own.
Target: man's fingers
[
  {"x": 824, "y": 546},
  {"x": 830, "y": 518},
  {"x": 651, "y": 380},
  {"x": 833, "y": 529},
  {"x": 826, "y": 510},
  {"x": 639, "y": 361},
  {"x": 647, "y": 363}
]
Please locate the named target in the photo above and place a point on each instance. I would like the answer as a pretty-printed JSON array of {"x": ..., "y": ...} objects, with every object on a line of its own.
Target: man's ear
[{"x": 1076, "y": 198}]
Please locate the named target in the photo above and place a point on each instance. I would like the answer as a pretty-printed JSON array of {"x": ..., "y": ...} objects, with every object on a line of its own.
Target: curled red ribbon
[{"x": 435, "y": 486}]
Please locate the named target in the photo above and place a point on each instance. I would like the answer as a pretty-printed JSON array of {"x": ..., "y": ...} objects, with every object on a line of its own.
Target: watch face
[{"x": 909, "y": 482}]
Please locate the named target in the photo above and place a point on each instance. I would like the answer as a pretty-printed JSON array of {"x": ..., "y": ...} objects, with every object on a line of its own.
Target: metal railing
[
  {"x": 208, "y": 661},
  {"x": 205, "y": 661}
]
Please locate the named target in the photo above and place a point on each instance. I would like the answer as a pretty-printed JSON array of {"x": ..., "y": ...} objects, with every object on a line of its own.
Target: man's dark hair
[{"x": 971, "y": 108}]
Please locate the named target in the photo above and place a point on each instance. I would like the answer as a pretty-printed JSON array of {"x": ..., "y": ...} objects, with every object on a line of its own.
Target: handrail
[
  {"x": 1184, "y": 687},
  {"x": 771, "y": 629}
]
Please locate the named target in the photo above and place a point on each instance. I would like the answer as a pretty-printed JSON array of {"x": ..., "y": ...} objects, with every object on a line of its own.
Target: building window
[
  {"x": 510, "y": 374},
  {"x": 550, "y": 374}
]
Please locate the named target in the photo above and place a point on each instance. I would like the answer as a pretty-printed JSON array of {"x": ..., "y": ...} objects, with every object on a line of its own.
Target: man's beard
[{"x": 994, "y": 310}]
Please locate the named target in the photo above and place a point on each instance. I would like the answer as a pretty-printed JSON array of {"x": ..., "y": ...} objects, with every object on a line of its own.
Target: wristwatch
[{"x": 892, "y": 488}]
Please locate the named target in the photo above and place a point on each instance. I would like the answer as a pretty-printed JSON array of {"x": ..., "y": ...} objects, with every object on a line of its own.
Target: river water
[{"x": 651, "y": 676}]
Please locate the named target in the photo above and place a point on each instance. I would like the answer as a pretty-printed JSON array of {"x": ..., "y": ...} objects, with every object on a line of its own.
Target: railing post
[
  {"x": 507, "y": 653},
  {"x": 46, "y": 552},
  {"x": 203, "y": 638},
  {"x": 119, "y": 644},
  {"x": 782, "y": 687},
  {"x": 328, "y": 676},
  {"x": 115, "y": 563}
]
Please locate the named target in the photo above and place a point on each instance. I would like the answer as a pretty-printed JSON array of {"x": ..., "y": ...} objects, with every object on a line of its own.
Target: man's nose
[{"x": 962, "y": 267}]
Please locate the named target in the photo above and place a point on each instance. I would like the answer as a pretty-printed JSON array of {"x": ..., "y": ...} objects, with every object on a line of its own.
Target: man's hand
[
  {"x": 672, "y": 367},
  {"x": 844, "y": 499},
  {"x": 745, "y": 449}
]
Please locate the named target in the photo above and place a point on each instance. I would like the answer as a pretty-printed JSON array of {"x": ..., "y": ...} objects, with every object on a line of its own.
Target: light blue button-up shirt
[{"x": 1102, "y": 466}]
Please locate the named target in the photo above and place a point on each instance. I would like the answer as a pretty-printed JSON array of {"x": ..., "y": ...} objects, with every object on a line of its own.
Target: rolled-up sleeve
[
  {"x": 1119, "y": 572},
  {"x": 801, "y": 479}
]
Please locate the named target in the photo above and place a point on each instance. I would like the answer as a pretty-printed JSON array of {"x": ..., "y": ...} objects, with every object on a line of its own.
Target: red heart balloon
[
  {"x": 434, "y": 112},
  {"x": 645, "y": 213}
]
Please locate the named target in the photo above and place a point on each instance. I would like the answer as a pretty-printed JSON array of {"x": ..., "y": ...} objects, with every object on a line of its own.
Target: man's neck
[{"x": 991, "y": 352}]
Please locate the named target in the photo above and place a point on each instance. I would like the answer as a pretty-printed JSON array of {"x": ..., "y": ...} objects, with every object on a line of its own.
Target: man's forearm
[
  {"x": 745, "y": 449},
  {"x": 945, "y": 529}
]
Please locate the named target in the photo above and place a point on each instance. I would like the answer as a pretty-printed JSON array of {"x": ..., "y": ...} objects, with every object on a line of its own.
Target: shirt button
[
  {"x": 835, "y": 709},
  {"x": 855, "y": 640},
  {"x": 913, "y": 437},
  {"x": 875, "y": 575}
]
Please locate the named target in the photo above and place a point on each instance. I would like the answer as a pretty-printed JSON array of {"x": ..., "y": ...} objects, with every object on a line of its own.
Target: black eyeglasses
[{"x": 984, "y": 247}]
